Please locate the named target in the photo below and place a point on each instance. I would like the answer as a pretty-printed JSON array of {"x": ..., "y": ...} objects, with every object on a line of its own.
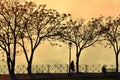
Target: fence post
[
  {"x": 67, "y": 68},
  {"x": 36, "y": 68},
  {"x": 86, "y": 68},
  {"x": 48, "y": 69}
]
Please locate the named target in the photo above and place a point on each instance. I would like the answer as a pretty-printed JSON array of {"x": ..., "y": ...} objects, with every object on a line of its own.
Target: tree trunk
[
  {"x": 30, "y": 63},
  {"x": 78, "y": 51},
  {"x": 8, "y": 65},
  {"x": 77, "y": 63},
  {"x": 11, "y": 70},
  {"x": 117, "y": 63},
  {"x": 29, "y": 68},
  {"x": 12, "y": 74}
]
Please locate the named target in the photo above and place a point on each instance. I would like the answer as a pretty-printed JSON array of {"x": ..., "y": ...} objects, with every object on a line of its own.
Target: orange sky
[
  {"x": 87, "y": 9},
  {"x": 84, "y": 8}
]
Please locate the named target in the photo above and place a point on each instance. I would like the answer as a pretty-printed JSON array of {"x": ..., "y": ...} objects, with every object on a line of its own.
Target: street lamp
[{"x": 70, "y": 45}]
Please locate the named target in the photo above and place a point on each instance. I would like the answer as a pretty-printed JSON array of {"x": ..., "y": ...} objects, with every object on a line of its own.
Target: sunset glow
[{"x": 87, "y": 9}]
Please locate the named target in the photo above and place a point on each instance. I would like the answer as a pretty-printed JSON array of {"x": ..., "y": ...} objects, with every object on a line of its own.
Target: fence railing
[{"x": 56, "y": 68}]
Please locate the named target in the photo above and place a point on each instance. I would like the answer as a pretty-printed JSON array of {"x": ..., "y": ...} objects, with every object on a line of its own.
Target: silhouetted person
[
  {"x": 72, "y": 67},
  {"x": 103, "y": 69}
]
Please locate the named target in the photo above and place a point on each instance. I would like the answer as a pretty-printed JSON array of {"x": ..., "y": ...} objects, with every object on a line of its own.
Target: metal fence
[{"x": 56, "y": 68}]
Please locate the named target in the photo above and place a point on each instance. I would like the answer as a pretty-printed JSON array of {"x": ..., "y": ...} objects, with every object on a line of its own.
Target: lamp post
[{"x": 70, "y": 45}]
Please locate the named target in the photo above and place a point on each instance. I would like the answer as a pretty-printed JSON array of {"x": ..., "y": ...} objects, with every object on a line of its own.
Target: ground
[{"x": 65, "y": 76}]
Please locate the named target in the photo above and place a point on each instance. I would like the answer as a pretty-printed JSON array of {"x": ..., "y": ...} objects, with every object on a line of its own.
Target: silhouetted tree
[
  {"x": 25, "y": 24},
  {"x": 110, "y": 28},
  {"x": 10, "y": 18},
  {"x": 40, "y": 24},
  {"x": 81, "y": 34}
]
